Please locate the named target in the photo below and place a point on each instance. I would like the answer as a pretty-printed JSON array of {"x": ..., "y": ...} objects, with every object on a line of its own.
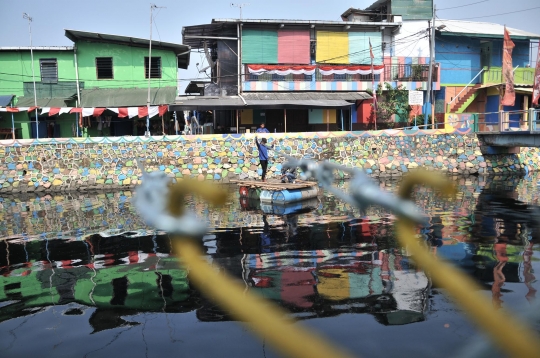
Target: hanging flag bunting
[
  {"x": 536, "y": 86},
  {"x": 54, "y": 111},
  {"x": 98, "y": 111},
  {"x": 122, "y": 112},
  {"x": 94, "y": 111},
  {"x": 133, "y": 112},
  {"x": 163, "y": 110},
  {"x": 509, "y": 98},
  {"x": 154, "y": 111},
  {"x": 281, "y": 70},
  {"x": 143, "y": 112},
  {"x": 350, "y": 70},
  {"x": 88, "y": 111}
]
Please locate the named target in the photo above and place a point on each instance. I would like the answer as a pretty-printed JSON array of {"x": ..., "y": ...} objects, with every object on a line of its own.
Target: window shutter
[
  {"x": 49, "y": 70},
  {"x": 332, "y": 47},
  {"x": 259, "y": 46},
  {"x": 293, "y": 47},
  {"x": 359, "y": 48}
]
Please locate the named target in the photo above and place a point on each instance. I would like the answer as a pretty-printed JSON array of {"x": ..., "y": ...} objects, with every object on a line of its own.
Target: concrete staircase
[{"x": 465, "y": 99}]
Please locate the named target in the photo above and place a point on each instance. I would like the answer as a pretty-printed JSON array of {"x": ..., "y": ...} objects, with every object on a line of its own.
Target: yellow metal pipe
[
  {"x": 511, "y": 335},
  {"x": 265, "y": 318}
]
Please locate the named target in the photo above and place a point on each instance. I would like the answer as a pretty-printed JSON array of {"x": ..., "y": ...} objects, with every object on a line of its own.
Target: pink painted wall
[{"x": 293, "y": 47}]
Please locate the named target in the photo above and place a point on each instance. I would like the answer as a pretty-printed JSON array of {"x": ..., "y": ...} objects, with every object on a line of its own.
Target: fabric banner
[
  {"x": 536, "y": 86},
  {"x": 281, "y": 70},
  {"x": 86, "y": 112},
  {"x": 310, "y": 70},
  {"x": 133, "y": 112},
  {"x": 163, "y": 110},
  {"x": 350, "y": 70},
  {"x": 122, "y": 112},
  {"x": 54, "y": 111},
  {"x": 509, "y": 98}
]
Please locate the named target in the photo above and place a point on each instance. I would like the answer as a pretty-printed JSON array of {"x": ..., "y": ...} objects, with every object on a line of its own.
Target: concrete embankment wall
[{"x": 97, "y": 163}]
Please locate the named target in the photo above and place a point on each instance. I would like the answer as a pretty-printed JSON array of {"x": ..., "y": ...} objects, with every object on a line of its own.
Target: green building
[{"x": 98, "y": 71}]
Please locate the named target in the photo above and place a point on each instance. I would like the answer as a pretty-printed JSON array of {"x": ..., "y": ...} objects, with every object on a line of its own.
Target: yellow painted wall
[
  {"x": 247, "y": 116},
  {"x": 332, "y": 47},
  {"x": 329, "y": 115}
]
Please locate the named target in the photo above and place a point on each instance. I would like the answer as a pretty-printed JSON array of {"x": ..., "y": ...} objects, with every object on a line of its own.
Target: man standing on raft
[{"x": 263, "y": 155}]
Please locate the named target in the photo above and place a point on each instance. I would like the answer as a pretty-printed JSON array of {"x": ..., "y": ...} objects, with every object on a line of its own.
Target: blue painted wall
[
  {"x": 492, "y": 105},
  {"x": 459, "y": 57}
]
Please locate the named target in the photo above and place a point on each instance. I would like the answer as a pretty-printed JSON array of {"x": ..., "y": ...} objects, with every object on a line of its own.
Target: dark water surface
[{"x": 82, "y": 276}]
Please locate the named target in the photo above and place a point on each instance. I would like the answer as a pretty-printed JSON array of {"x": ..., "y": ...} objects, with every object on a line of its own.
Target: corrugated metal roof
[
  {"x": 481, "y": 29},
  {"x": 41, "y": 102},
  {"x": 182, "y": 51},
  {"x": 6, "y": 99},
  {"x": 268, "y": 101},
  {"x": 307, "y": 22},
  {"x": 126, "y": 97},
  {"x": 37, "y": 48},
  {"x": 207, "y": 103}
]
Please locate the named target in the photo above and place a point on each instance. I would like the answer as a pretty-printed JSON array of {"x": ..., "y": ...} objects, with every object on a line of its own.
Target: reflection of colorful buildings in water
[
  {"x": 329, "y": 282},
  {"x": 115, "y": 275},
  {"x": 330, "y": 260}
]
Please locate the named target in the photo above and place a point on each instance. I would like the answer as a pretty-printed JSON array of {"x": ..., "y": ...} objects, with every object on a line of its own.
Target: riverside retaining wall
[{"x": 99, "y": 163}]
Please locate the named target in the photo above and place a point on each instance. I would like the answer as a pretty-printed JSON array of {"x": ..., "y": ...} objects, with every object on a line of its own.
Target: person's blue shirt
[
  {"x": 262, "y": 130},
  {"x": 263, "y": 150}
]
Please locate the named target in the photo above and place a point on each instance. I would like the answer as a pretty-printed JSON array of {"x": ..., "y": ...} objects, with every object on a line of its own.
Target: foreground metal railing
[{"x": 161, "y": 205}]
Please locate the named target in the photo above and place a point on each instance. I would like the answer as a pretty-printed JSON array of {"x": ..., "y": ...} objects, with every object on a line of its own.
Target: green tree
[{"x": 391, "y": 101}]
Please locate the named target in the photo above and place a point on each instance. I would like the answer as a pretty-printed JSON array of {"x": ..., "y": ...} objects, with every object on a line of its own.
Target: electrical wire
[
  {"x": 457, "y": 7},
  {"x": 505, "y": 13}
]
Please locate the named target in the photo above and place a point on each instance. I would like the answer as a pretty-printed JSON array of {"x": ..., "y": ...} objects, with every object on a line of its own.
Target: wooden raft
[{"x": 274, "y": 186}]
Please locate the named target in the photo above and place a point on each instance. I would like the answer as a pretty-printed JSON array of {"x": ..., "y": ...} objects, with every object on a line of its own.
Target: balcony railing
[
  {"x": 391, "y": 73},
  {"x": 522, "y": 76}
]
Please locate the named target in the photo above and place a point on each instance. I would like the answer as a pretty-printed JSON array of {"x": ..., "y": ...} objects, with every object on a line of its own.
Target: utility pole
[
  {"x": 427, "y": 105},
  {"x": 26, "y": 16},
  {"x": 152, "y": 7}
]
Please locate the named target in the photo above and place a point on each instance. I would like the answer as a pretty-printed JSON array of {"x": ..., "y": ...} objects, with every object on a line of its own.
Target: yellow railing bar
[{"x": 510, "y": 334}]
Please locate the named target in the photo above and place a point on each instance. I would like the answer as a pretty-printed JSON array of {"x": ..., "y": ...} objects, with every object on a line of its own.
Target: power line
[
  {"x": 505, "y": 13},
  {"x": 456, "y": 7}
]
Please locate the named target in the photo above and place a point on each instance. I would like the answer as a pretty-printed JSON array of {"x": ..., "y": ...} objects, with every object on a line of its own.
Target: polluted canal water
[{"x": 82, "y": 275}]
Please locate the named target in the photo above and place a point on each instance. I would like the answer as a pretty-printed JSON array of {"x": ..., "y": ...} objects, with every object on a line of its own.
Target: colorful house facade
[
  {"x": 470, "y": 57},
  {"x": 310, "y": 75},
  {"x": 98, "y": 71}
]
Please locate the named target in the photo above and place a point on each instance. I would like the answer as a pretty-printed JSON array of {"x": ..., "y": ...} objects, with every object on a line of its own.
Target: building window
[
  {"x": 156, "y": 67},
  {"x": 104, "y": 68},
  {"x": 49, "y": 70}
]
